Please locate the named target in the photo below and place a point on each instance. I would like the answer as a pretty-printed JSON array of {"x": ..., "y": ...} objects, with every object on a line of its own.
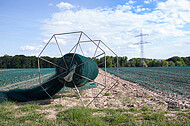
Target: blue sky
[{"x": 26, "y": 25}]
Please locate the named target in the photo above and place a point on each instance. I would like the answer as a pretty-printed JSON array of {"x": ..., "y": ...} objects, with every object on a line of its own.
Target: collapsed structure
[{"x": 73, "y": 70}]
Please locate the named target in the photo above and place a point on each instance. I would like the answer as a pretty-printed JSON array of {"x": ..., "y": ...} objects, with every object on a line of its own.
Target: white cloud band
[{"x": 30, "y": 47}]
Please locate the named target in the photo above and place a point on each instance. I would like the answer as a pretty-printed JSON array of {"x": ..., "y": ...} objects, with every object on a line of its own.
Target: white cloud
[
  {"x": 131, "y": 1},
  {"x": 119, "y": 25},
  {"x": 60, "y": 41},
  {"x": 50, "y": 4},
  {"x": 31, "y": 47},
  {"x": 148, "y": 1},
  {"x": 64, "y": 5},
  {"x": 174, "y": 12}
]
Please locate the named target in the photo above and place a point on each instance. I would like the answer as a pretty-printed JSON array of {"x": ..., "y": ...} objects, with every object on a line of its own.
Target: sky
[{"x": 27, "y": 25}]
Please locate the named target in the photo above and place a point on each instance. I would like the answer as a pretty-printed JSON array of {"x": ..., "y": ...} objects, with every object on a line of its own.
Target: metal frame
[{"x": 75, "y": 47}]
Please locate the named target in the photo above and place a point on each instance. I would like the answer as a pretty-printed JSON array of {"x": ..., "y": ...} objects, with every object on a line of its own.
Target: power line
[{"x": 142, "y": 62}]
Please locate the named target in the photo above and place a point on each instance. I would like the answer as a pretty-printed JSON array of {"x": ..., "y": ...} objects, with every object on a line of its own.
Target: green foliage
[
  {"x": 179, "y": 61},
  {"x": 77, "y": 97},
  {"x": 160, "y": 102},
  {"x": 145, "y": 108},
  {"x": 107, "y": 94},
  {"x": 21, "y": 61},
  {"x": 133, "y": 109},
  {"x": 157, "y": 116},
  {"x": 118, "y": 118},
  {"x": 29, "y": 115},
  {"x": 128, "y": 100},
  {"x": 80, "y": 116},
  {"x": 175, "y": 109},
  {"x": 171, "y": 63},
  {"x": 184, "y": 114},
  {"x": 29, "y": 107}
]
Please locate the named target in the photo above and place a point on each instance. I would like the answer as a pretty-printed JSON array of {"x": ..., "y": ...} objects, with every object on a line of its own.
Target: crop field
[
  {"x": 28, "y": 78},
  {"x": 170, "y": 79},
  {"x": 23, "y": 77}
]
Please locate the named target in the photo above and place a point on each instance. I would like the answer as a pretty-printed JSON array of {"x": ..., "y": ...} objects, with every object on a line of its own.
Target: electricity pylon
[{"x": 142, "y": 62}]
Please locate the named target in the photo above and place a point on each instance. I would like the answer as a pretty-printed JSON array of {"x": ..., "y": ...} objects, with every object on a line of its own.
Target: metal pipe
[
  {"x": 79, "y": 94},
  {"x": 90, "y": 60},
  {"x": 75, "y": 49},
  {"x": 61, "y": 52},
  {"x": 68, "y": 33},
  {"x": 52, "y": 63},
  {"x": 45, "y": 46}
]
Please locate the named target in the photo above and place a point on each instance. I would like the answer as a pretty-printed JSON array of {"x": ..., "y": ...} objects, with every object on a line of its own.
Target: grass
[
  {"x": 29, "y": 107},
  {"x": 77, "y": 97},
  {"x": 128, "y": 100},
  {"x": 174, "y": 109},
  {"x": 160, "y": 102},
  {"x": 107, "y": 94},
  {"x": 29, "y": 114}
]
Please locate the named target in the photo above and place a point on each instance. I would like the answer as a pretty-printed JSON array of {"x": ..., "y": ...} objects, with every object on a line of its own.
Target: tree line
[{"x": 21, "y": 61}]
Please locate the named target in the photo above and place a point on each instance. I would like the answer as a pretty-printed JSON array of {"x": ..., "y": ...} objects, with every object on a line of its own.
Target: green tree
[
  {"x": 171, "y": 63},
  {"x": 175, "y": 59},
  {"x": 179, "y": 63},
  {"x": 164, "y": 63}
]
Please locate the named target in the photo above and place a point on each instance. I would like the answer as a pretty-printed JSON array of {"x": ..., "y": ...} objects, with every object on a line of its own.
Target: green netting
[
  {"x": 73, "y": 69},
  {"x": 86, "y": 68}
]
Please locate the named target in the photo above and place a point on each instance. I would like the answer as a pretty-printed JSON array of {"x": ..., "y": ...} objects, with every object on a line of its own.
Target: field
[
  {"x": 28, "y": 78},
  {"x": 23, "y": 78},
  {"x": 133, "y": 106},
  {"x": 169, "y": 79}
]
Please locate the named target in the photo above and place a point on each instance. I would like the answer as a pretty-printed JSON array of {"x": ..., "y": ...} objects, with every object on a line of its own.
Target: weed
[
  {"x": 145, "y": 108},
  {"x": 184, "y": 114},
  {"x": 160, "y": 102},
  {"x": 133, "y": 109},
  {"x": 77, "y": 97},
  {"x": 107, "y": 94},
  {"x": 174, "y": 109},
  {"x": 128, "y": 100},
  {"x": 8, "y": 103},
  {"x": 157, "y": 116},
  {"x": 29, "y": 107},
  {"x": 79, "y": 116}
]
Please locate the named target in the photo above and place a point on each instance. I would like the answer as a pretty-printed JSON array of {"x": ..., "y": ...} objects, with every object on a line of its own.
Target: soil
[{"x": 113, "y": 92}]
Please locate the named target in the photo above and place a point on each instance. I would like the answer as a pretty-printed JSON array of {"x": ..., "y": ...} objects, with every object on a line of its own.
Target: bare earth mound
[{"x": 123, "y": 95}]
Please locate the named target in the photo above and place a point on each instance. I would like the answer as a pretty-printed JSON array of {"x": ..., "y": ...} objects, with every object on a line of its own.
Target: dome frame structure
[{"x": 100, "y": 50}]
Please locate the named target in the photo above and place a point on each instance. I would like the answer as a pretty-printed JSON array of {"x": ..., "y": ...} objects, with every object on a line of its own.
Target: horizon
[
  {"x": 98, "y": 58},
  {"x": 27, "y": 25}
]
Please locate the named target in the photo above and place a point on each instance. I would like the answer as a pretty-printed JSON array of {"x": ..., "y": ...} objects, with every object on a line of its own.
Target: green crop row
[
  {"x": 173, "y": 79},
  {"x": 11, "y": 76}
]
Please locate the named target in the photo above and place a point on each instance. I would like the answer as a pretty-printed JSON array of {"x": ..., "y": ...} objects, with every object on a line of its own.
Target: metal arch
[
  {"x": 100, "y": 41},
  {"x": 75, "y": 49}
]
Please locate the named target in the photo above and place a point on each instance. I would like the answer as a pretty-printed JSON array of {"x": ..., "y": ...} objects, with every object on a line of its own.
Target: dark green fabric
[
  {"x": 69, "y": 63},
  {"x": 88, "y": 69},
  {"x": 37, "y": 93}
]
